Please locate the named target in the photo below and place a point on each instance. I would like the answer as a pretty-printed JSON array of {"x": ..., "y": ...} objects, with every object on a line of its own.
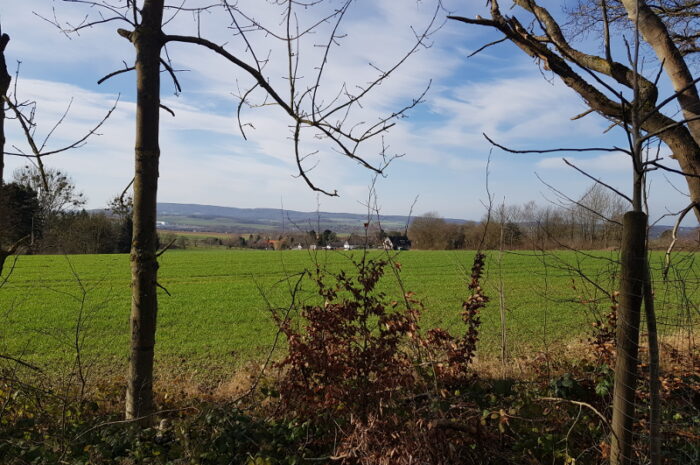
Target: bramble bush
[{"x": 358, "y": 350}]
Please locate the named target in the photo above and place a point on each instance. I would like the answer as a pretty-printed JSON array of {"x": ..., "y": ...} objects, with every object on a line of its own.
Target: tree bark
[
  {"x": 148, "y": 41},
  {"x": 5, "y": 80},
  {"x": 654, "y": 380},
  {"x": 683, "y": 140},
  {"x": 633, "y": 274},
  {"x": 656, "y": 34}
]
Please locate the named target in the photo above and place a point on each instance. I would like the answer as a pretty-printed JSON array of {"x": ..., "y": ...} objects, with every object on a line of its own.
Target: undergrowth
[{"x": 362, "y": 383}]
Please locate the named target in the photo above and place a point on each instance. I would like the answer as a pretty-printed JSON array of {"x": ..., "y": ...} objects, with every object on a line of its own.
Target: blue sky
[{"x": 205, "y": 160}]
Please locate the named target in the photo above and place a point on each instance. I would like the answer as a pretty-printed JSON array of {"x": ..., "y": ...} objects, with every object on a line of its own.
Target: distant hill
[
  {"x": 191, "y": 217},
  {"x": 684, "y": 231},
  {"x": 211, "y": 218}
]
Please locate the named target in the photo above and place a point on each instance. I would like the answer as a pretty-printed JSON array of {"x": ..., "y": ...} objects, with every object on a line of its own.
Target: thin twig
[
  {"x": 674, "y": 236},
  {"x": 597, "y": 180}
]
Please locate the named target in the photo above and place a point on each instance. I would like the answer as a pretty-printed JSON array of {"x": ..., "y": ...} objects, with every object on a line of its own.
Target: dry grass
[{"x": 681, "y": 345}]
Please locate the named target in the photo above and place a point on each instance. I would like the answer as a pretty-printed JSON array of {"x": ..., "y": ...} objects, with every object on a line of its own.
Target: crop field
[{"x": 217, "y": 311}]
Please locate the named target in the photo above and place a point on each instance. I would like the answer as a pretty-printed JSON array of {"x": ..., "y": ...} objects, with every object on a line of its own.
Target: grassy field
[{"x": 217, "y": 311}]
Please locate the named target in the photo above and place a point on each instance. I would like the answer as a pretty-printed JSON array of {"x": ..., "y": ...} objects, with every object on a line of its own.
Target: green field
[{"x": 217, "y": 313}]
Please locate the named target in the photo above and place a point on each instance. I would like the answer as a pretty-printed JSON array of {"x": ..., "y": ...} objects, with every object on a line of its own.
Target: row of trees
[
  {"x": 277, "y": 241},
  {"x": 42, "y": 212},
  {"x": 593, "y": 221}
]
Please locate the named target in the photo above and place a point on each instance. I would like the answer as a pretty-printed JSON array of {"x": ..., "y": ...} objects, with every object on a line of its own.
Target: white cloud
[
  {"x": 205, "y": 160},
  {"x": 523, "y": 108},
  {"x": 202, "y": 159}
]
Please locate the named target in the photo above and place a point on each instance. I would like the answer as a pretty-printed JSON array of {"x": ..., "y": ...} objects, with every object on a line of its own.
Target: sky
[{"x": 205, "y": 159}]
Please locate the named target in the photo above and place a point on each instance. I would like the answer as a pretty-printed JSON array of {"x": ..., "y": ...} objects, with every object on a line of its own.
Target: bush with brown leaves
[
  {"x": 357, "y": 350},
  {"x": 349, "y": 355}
]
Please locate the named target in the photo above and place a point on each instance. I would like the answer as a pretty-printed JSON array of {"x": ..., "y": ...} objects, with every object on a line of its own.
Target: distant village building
[
  {"x": 399, "y": 242},
  {"x": 357, "y": 241},
  {"x": 275, "y": 244}
]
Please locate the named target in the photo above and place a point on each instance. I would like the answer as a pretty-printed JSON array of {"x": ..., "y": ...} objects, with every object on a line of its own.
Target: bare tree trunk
[
  {"x": 5, "y": 79},
  {"x": 633, "y": 273},
  {"x": 685, "y": 151},
  {"x": 148, "y": 40},
  {"x": 654, "y": 381},
  {"x": 656, "y": 34},
  {"x": 684, "y": 139}
]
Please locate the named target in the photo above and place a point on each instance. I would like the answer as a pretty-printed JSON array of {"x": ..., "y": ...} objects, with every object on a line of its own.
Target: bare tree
[
  {"x": 545, "y": 41},
  {"x": 643, "y": 121},
  {"x": 303, "y": 102},
  {"x": 5, "y": 80},
  {"x": 428, "y": 231},
  {"x": 678, "y": 16},
  {"x": 598, "y": 213},
  {"x": 52, "y": 185},
  {"x": 55, "y": 189}
]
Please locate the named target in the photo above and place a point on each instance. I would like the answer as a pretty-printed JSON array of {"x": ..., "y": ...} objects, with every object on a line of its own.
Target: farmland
[{"x": 217, "y": 313}]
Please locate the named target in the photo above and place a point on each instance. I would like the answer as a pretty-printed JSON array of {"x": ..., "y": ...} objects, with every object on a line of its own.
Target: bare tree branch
[
  {"x": 597, "y": 180},
  {"x": 573, "y": 149}
]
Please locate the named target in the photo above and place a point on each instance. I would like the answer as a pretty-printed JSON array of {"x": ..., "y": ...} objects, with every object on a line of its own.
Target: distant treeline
[
  {"x": 592, "y": 222},
  {"x": 54, "y": 223},
  {"x": 277, "y": 241},
  {"x": 42, "y": 213}
]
